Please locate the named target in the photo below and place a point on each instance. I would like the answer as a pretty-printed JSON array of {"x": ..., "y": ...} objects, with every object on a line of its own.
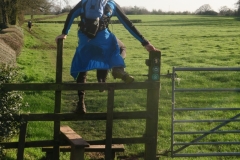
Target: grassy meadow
[{"x": 185, "y": 41}]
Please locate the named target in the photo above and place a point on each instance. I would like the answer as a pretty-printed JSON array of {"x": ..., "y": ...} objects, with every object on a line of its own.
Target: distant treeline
[{"x": 202, "y": 10}]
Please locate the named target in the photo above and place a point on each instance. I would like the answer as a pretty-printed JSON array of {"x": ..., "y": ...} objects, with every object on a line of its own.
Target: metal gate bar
[
  {"x": 183, "y": 145},
  {"x": 204, "y": 135}
]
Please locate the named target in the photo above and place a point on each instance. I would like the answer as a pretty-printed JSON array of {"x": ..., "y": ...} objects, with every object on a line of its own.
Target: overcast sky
[{"x": 173, "y": 5}]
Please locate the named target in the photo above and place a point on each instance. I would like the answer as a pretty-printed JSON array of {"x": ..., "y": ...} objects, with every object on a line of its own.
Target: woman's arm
[
  {"x": 117, "y": 11},
  {"x": 75, "y": 12}
]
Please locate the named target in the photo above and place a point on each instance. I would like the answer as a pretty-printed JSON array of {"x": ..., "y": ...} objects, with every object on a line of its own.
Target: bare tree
[
  {"x": 11, "y": 9},
  {"x": 238, "y": 7},
  {"x": 238, "y": 4},
  {"x": 225, "y": 11},
  {"x": 203, "y": 8},
  {"x": 40, "y": 5},
  {"x": 36, "y": 6},
  {"x": 66, "y": 2},
  {"x": 8, "y": 10},
  {"x": 3, "y": 11},
  {"x": 57, "y": 8}
]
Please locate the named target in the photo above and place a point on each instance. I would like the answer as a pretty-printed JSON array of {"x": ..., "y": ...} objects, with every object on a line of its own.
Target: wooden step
[
  {"x": 91, "y": 148},
  {"x": 72, "y": 137}
]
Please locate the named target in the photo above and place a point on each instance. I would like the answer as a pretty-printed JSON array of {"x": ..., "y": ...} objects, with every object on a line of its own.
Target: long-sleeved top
[{"x": 116, "y": 11}]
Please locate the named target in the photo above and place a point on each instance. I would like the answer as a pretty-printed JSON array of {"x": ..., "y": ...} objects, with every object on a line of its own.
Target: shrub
[{"x": 11, "y": 103}]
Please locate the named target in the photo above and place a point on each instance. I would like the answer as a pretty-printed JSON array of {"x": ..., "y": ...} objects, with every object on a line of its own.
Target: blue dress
[{"x": 101, "y": 52}]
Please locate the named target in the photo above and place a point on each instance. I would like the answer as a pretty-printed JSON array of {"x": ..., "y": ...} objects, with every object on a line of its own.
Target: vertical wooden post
[
  {"x": 58, "y": 97},
  {"x": 77, "y": 153},
  {"x": 109, "y": 125},
  {"x": 152, "y": 105},
  {"x": 21, "y": 141}
]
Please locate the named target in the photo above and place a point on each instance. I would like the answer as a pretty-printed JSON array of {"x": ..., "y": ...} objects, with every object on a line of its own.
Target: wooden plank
[
  {"x": 87, "y": 116},
  {"x": 75, "y": 86},
  {"x": 72, "y": 137},
  {"x": 44, "y": 143},
  {"x": 116, "y": 147},
  {"x": 109, "y": 124},
  {"x": 91, "y": 148},
  {"x": 59, "y": 61},
  {"x": 58, "y": 98},
  {"x": 77, "y": 153},
  {"x": 152, "y": 106},
  {"x": 76, "y": 141},
  {"x": 21, "y": 144}
]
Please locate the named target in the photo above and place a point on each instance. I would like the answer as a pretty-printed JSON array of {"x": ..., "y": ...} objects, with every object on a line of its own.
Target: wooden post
[
  {"x": 58, "y": 93},
  {"x": 21, "y": 141},
  {"x": 109, "y": 125},
  {"x": 76, "y": 141},
  {"x": 77, "y": 153},
  {"x": 152, "y": 105}
]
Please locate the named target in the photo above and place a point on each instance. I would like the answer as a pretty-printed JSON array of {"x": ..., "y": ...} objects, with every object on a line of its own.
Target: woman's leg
[
  {"x": 81, "y": 108},
  {"x": 119, "y": 72}
]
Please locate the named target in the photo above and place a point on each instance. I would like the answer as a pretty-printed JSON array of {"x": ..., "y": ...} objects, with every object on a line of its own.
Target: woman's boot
[
  {"x": 81, "y": 108},
  {"x": 118, "y": 72}
]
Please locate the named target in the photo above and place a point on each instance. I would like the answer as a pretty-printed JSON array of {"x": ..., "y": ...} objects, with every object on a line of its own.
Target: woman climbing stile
[{"x": 98, "y": 48}]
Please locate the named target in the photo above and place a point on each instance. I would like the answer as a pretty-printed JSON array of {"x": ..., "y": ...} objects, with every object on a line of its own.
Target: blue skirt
[{"x": 101, "y": 52}]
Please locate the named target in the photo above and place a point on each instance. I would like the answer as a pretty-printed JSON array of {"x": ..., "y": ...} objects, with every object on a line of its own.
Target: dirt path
[{"x": 46, "y": 44}]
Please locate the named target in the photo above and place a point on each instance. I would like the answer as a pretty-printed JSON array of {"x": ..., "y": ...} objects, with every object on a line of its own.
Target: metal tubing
[{"x": 207, "y": 69}]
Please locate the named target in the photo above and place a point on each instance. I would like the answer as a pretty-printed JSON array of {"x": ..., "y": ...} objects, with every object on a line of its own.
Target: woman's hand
[
  {"x": 62, "y": 36},
  {"x": 149, "y": 47}
]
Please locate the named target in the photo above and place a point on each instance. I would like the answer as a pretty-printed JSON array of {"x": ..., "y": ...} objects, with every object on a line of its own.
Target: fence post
[
  {"x": 152, "y": 105},
  {"x": 22, "y": 140},
  {"x": 109, "y": 124},
  {"x": 58, "y": 97}
]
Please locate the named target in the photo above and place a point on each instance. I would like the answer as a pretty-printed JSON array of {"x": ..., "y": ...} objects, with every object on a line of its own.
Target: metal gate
[{"x": 205, "y": 116}]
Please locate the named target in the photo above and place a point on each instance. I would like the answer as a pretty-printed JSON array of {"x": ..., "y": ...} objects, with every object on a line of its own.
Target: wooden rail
[{"x": 92, "y": 148}]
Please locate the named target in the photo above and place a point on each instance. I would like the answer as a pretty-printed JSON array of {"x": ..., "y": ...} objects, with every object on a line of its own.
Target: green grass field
[{"x": 185, "y": 41}]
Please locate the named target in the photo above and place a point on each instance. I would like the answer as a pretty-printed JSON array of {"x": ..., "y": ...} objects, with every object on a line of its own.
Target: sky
[{"x": 173, "y": 5}]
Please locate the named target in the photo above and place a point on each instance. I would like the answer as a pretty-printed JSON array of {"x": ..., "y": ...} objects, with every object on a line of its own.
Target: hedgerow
[{"x": 11, "y": 103}]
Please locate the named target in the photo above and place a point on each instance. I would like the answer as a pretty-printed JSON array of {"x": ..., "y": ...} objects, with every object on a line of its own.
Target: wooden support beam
[
  {"x": 21, "y": 143},
  {"x": 76, "y": 141}
]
